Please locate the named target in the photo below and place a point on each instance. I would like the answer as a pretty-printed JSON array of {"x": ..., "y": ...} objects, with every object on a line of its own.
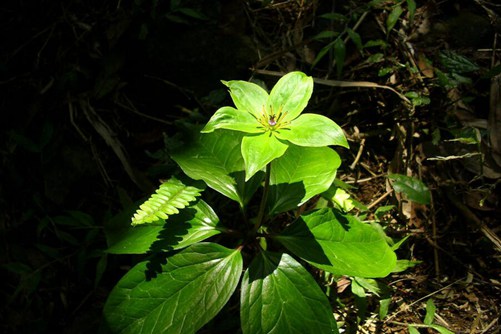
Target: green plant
[
  {"x": 428, "y": 321},
  {"x": 270, "y": 158}
]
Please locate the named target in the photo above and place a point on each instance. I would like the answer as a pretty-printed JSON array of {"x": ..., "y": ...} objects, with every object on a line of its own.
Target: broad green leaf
[
  {"x": 339, "y": 244},
  {"x": 415, "y": 190},
  {"x": 233, "y": 119},
  {"x": 338, "y": 195},
  {"x": 291, "y": 95},
  {"x": 440, "y": 329},
  {"x": 178, "y": 297},
  {"x": 413, "y": 330},
  {"x": 193, "y": 224},
  {"x": 384, "y": 306},
  {"x": 280, "y": 296},
  {"x": 369, "y": 284},
  {"x": 393, "y": 18},
  {"x": 430, "y": 312},
  {"x": 313, "y": 130},
  {"x": 171, "y": 196},
  {"x": 215, "y": 158},
  {"x": 259, "y": 150},
  {"x": 300, "y": 174},
  {"x": 248, "y": 96}
]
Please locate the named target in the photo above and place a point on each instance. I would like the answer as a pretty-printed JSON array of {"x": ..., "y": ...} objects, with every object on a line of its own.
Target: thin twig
[
  {"x": 72, "y": 121},
  {"x": 376, "y": 202},
  {"x": 133, "y": 109},
  {"x": 423, "y": 298},
  {"x": 359, "y": 154},
  {"x": 367, "y": 179},
  {"x": 339, "y": 83}
]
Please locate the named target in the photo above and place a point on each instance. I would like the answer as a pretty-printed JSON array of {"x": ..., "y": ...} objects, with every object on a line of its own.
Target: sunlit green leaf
[
  {"x": 280, "y": 296},
  {"x": 430, "y": 312},
  {"x": 300, "y": 174},
  {"x": 440, "y": 329},
  {"x": 233, "y": 119},
  {"x": 368, "y": 284},
  {"x": 247, "y": 96},
  {"x": 313, "y": 130},
  {"x": 171, "y": 196},
  {"x": 384, "y": 306},
  {"x": 177, "y": 297},
  {"x": 259, "y": 150},
  {"x": 291, "y": 94},
  {"x": 195, "y": 223},
  {"x": 339, "y": 244},
  {"x": 215, "y": 158},
  {"x": 413, "y": 330}
]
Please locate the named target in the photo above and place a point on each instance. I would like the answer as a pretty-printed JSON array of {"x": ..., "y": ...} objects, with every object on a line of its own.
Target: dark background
[{"x": 92, "y": 95}]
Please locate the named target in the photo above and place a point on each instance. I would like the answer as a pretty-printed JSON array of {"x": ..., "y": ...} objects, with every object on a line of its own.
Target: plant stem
[{"x": 264, "y": 199}]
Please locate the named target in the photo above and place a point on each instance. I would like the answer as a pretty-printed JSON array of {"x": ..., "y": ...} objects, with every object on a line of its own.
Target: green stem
[{"x": 264, "y": 199}]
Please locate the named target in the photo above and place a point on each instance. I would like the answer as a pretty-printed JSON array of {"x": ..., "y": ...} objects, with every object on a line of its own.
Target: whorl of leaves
[{"x": 171, "y": 196}]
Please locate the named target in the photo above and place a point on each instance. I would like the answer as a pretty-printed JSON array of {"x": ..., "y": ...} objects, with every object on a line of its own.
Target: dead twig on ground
[{"x": 339, "y": 83}]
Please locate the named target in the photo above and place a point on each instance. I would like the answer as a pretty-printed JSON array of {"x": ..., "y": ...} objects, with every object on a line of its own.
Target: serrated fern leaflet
[{"x": 171, "y": 196}]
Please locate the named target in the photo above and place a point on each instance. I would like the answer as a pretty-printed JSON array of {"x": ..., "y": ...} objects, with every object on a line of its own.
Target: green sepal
[
  {"x": 300, "y": 174},
  {"x": 233, "y": 119},
  {"x": 313, "y": 130},
  {"x": 259, "y": 150},
  {"x": 291, "y": 95},
  {"x": 248, "y": 96}
]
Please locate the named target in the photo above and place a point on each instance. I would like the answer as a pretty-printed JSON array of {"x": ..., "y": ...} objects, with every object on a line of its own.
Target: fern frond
[{"x": 171, "y": 196}]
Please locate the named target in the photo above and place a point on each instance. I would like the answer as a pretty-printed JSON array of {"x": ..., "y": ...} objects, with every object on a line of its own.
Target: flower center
[{"x": 271, "y": 121}]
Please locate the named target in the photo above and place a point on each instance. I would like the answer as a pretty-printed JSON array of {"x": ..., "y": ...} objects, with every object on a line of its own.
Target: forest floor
[{"x": 91, "y": 94}]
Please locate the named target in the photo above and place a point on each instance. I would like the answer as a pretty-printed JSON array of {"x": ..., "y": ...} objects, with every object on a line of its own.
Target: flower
[{"x": 274, "y": 121}]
